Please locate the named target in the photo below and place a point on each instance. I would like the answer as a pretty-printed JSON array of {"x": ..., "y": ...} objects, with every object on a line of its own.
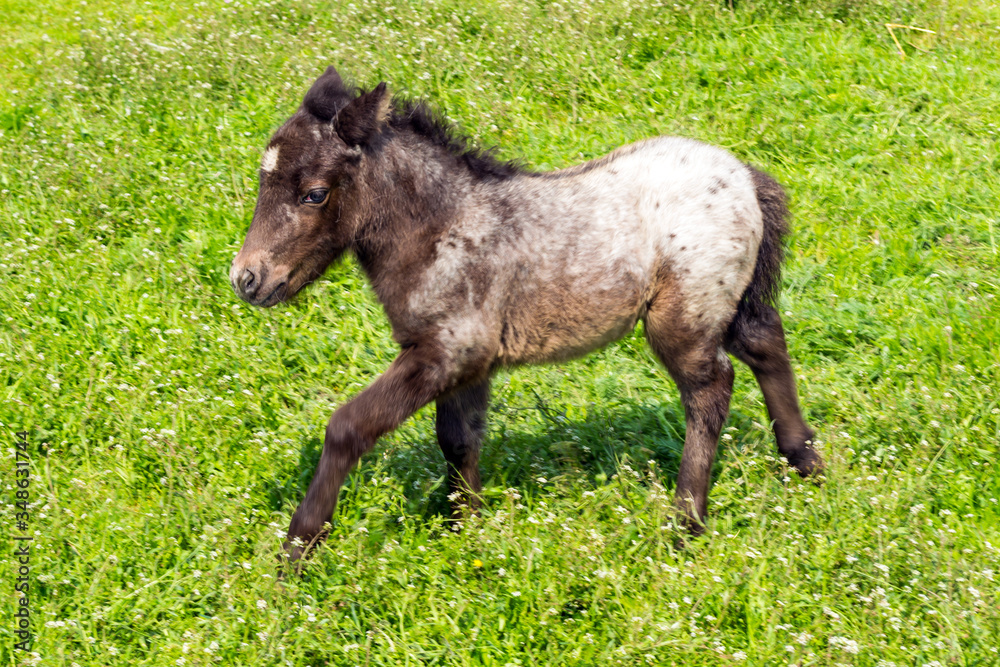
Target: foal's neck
[{"x": 407, "y": 195}]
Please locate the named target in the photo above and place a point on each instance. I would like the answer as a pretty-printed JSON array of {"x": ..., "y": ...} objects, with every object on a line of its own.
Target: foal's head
[{"x": 298, "y": 228}]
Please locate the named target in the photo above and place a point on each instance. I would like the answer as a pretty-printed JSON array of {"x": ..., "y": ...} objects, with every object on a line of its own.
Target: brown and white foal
[{"x": 481, "y": 264}]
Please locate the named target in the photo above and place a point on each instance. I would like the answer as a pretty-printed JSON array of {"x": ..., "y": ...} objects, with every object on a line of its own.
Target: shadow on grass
[{"x": 517, "y": 455}]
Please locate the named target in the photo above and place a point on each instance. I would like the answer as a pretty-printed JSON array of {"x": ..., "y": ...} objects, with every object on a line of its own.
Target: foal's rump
[
  {"x": 602, "y": 240},
  {"x": 701, "y": 209}
]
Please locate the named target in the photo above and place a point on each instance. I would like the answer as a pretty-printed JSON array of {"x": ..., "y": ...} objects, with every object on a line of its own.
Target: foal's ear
[
  {"x": 361, "y": 120},
  {"x": 327, "y": 96}
]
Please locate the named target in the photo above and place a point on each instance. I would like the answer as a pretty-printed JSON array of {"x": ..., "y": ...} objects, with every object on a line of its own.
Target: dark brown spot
[{"x": 481, "y": 278}]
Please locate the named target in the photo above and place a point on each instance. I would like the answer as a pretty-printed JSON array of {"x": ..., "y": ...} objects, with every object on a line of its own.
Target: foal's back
[{"x": 595, "y": 244}]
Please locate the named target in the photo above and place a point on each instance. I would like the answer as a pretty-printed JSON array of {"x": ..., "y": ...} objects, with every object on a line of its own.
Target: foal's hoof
[
  {"x": 294, "y": 555},
  {"x": 290, "y": 561},
  {"x": 690, "y": 527},
  {"x": 807, "y": 462}
]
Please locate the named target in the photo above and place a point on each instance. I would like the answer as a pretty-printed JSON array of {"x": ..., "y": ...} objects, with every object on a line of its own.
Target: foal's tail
[{"x": 766, "y": 281}]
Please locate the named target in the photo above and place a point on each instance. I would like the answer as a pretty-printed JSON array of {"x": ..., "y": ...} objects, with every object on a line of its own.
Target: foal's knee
[{"x": 343, "y": 441}]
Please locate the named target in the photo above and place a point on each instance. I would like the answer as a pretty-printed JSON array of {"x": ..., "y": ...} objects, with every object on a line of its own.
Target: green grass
[{"x": 173, "y": 429}]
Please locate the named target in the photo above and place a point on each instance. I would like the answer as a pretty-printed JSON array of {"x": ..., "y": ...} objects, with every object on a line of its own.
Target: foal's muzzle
[
  {"x": 247, "y": 281},
  {"x": 247, "y": 284},
  {"x": 257, "y": 285}
]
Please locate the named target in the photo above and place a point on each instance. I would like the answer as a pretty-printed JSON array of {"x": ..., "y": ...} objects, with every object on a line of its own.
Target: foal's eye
[{"x": 315, "y": 197}]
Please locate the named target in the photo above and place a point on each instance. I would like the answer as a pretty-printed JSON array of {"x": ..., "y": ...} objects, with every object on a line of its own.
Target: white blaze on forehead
[{"x": 270, "y": 160}]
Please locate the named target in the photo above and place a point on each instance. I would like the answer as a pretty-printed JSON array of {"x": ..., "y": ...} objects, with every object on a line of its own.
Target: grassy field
[{"x": 172, "y": 429}]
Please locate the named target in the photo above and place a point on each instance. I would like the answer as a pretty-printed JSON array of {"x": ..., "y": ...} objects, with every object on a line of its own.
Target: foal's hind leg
[
  {"x": 704, "y": 376},
  {"x": 461, "y": 423},
  {"x": 757, "y": 338}
]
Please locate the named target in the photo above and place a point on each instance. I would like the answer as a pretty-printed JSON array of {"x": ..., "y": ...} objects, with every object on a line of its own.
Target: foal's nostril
[{"x": 248, "y": 282}]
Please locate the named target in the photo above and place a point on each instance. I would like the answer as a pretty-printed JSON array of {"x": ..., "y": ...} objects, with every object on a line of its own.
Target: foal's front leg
[
  {"x": 461, "y": 423},
  {"x": 415, "y": 378}
]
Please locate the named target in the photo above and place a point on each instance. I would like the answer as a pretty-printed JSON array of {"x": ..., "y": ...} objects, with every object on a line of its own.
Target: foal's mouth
[{"x": 277, "y": 295}]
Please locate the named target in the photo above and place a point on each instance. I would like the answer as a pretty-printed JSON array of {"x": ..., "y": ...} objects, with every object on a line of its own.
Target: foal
[{"x": 480, "y": 264}]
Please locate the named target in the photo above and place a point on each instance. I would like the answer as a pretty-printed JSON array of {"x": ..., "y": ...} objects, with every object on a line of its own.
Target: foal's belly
[{"x": 565, "y": 320}]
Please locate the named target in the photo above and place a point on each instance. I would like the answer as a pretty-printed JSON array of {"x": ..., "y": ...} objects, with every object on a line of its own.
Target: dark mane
[
  {"x": 329, "y": 99},
  {"x": 417, "y": 117}
]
